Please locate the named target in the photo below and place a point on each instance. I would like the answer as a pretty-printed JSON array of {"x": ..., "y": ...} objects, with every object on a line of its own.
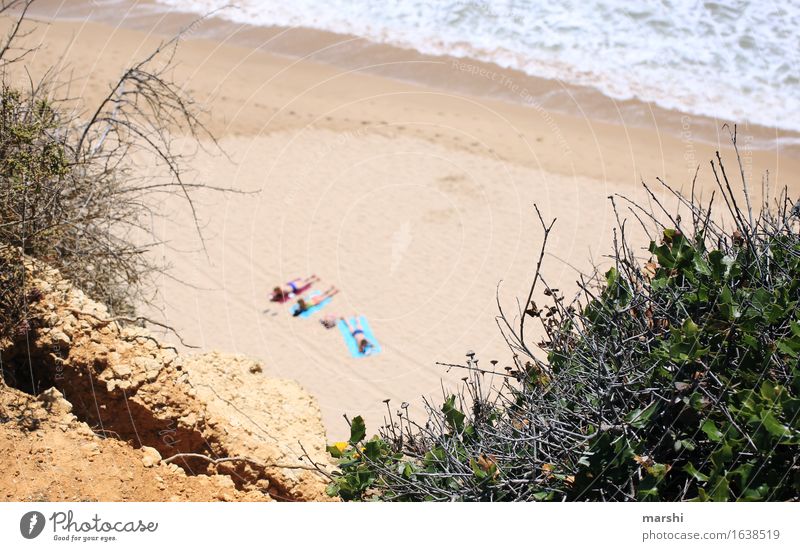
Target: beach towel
[
  {"x": 290, "y": 296},
  {"x": 350, "y": 341},
  {"x": 313, "y": 309}
]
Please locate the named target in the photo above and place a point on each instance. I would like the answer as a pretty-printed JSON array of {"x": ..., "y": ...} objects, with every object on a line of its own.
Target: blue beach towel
[
  {"x": 350, "y": 341},
  {"x": 313, "y": 309}
]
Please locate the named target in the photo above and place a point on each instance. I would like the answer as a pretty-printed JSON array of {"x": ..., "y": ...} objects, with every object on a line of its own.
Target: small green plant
[{"x": 356, "y": 459}]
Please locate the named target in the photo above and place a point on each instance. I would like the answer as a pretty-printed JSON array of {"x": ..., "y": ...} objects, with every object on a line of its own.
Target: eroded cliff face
[{"x": 116, "y": 401}]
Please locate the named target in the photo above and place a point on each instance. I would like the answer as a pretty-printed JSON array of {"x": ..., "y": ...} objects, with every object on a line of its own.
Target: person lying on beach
[
  {"x": 358, "y": 334},
  {"x": 292, "y": 288},
  {"x": 304, "y": 304}
]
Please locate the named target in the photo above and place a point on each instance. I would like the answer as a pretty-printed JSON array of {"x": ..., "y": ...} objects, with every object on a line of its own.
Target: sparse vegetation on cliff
[{"x": 69, "y": 190}]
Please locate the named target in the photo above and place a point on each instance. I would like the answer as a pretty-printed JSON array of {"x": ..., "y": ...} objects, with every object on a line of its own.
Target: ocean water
[{"x": 732, "y": 59}]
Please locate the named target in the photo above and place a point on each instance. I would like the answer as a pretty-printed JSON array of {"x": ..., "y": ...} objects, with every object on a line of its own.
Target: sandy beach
[{"x": 415, "y": 201}]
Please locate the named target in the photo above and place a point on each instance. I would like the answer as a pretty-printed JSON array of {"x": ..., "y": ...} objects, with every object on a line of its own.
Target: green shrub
[{"x": 676, "y": 380}]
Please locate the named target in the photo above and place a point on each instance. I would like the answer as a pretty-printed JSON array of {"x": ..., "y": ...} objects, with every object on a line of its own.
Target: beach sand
[{"x": 415, "y": 201}]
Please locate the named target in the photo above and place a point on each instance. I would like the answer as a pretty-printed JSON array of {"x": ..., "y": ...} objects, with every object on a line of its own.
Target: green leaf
[
  {"x": 711, "y": 430},
  {"x": 768, "y": 391},
  {"x": 788, "y": 347},
  {"x": 358, "y": 430},
  {"x": 756, "y": 494},
  {"x": 648, "y": 488},
  {"x": 638, "y": 418},
  {"x": 372, "y": 449},
  {"x": 743, "y": 472},
  {"x": 727, "y": 305},
  {"x": 455, "y": 418},
  {"x": 761, "y": 299},
  {"x": 773, "y": 426},
  {"x": 697, "y": 401},
  {"x": 334, "y": 451},
  {"x": 692, "y": 471},
  {"x": 657, "y": 470},
  {"x": 659, "y": 283},
  {"x": 479, "y": 473},
  {"x": 720, "y": 489},
  {"x": 722, "y": 456},
  {"x": 663, "y": 254},
  {"x": 701, "y": 265},
  {"x": 720, "y": 265},
  {"x": 611, "y": 277},
  {"x": 433, "y": 457}
]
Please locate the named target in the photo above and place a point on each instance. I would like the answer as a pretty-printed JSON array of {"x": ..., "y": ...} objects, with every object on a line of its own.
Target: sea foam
[{"x": 735, "y": 60}]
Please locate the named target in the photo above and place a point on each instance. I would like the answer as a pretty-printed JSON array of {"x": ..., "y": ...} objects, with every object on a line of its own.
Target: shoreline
[
  {"x": 462, "y": 75},
  {"x": 618, "y": 152}
]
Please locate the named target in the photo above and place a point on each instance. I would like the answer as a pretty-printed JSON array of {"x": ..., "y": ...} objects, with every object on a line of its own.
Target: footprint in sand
[{"x": 458, "y": 184}]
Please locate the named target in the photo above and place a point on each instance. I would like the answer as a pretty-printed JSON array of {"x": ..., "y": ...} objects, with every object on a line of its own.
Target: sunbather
[
  {"x": 357, "y": 331},
  {"x": 304, "y": 304},
  {"x": 292, "y": 288}
]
